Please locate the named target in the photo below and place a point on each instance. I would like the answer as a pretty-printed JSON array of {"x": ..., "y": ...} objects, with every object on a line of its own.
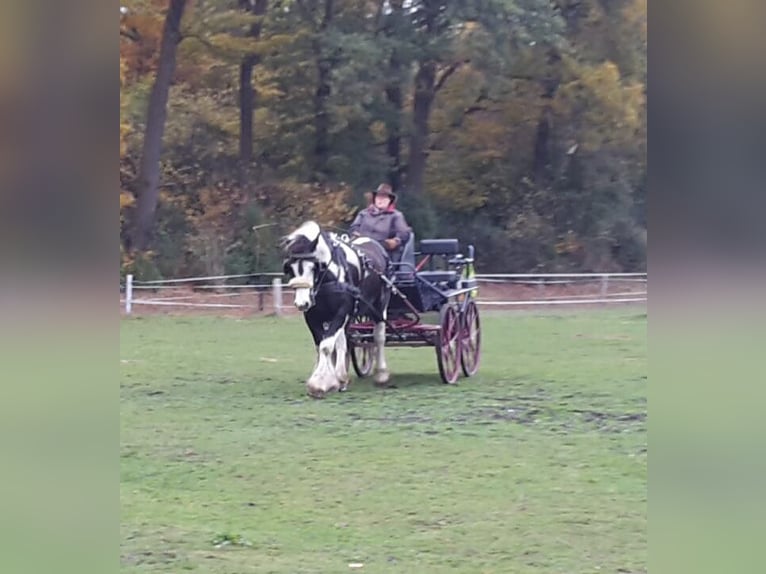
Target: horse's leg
[
  {"x": 341, "y": 355},
  {"x": 382, "y": 374},
  {"x": 341, "y": 346},
  {"x": 318, "y": 383},
  {"x": 379, "y": 335},
  {"x": 325, "y": 379},
  {"x": 314, "y": 323}
]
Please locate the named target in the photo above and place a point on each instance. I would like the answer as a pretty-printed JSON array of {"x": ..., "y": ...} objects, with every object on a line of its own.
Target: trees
[
  {"x": 518, "y": 123},
  {"x": 246, "y": 92},
  {"x": 149, "y": 169}
]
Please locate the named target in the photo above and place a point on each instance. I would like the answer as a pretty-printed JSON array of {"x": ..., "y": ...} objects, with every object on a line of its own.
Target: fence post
[
  {"x": 277, "y": 283},
  {"x": 604, "y": 284},
  {"x": 128, "y": 293}
]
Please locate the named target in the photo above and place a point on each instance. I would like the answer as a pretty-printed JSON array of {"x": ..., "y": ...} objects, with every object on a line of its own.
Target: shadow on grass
[{"x": 401, "y": 384}]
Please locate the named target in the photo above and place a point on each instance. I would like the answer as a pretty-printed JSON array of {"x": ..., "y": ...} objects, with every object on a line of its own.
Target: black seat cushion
[{"x": 439, "y": 246}]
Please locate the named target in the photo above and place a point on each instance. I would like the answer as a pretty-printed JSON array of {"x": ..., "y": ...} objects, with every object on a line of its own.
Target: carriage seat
[
  {"x": 439, "y": 247},
  {"x": 404, "y": 268},
  {"x": 443, "y": 247}
]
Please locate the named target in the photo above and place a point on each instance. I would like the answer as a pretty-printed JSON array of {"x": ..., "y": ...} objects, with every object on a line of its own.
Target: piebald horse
[{"x": 334, "y": 280}]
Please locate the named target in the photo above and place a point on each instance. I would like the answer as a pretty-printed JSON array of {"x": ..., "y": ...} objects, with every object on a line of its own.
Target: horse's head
[{"x": 306, "y": 254}]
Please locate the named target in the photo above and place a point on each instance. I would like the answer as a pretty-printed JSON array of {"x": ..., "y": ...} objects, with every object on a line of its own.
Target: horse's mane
[{"x": 300, "y": 243}]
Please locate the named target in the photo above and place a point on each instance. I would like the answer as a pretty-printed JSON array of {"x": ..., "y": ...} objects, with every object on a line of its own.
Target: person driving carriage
[{"x": 383, "y": 222}]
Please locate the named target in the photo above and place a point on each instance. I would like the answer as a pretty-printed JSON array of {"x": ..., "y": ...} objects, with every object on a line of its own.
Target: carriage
[
  {"x": 432, "y": 305},
  {"x": 356, "y": 301}
]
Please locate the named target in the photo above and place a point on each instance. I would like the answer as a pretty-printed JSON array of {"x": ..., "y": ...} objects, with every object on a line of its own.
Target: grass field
[{"x": 537, "y": 464}]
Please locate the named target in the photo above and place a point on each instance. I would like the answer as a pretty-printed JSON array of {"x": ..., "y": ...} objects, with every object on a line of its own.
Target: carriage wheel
[
  {"x": 470, "y": 339},
  {"x": 362, "y": 358},
  {"x": 448, "y": 345},
  {"x": 362, "y": 355}
]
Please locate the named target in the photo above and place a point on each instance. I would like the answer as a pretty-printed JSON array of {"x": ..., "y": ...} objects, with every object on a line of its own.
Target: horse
[{"x": 334, "y": 280}]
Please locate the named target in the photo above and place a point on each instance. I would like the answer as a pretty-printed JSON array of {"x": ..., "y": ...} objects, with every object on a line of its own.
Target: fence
[
  {"x": 568, "y": 288},
  {"x": 510, "y": 290}
]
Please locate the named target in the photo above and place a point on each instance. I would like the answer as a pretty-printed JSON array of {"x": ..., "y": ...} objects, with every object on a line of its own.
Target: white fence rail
[
  {"x": 601, "y": 283},
  {"x": 274, "y": 288},
  {"x": 543, "y": 280}
]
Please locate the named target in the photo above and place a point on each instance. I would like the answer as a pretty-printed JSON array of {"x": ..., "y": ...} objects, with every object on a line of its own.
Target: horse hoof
[
  {"x": 316, "y": 393},
  {"x": 381, "y": 379}
]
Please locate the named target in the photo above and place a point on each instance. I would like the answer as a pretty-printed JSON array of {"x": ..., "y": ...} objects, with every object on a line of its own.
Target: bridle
[{"x": 319, "y": 272}]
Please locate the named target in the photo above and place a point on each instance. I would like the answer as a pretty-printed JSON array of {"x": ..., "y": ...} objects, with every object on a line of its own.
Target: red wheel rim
[
  {"x": 448, "y": 345},
  {"x": 470, "y": 340}
]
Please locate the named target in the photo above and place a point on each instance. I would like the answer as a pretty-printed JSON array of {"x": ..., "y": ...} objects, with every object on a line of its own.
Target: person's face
[{"x": 382, "y": 201}]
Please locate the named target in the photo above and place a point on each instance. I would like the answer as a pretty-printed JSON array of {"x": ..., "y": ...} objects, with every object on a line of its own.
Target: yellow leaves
[
  {"x": 378, "y": 131},
  {"x": 459, "y": 193},
  {"x": 141, "y": 32},
  {"x": 483, "y": 145},
  {"x": 569, "y": 244},
  {"x": 124, "y": 131},
  {"x": 125, "y": 128},
  {"x": 211, "y": 234},
  {"x": 599, "y": 107},
  {"x": 266, "y": 84},
  {"x": 123, "y": 70},
  {"x": 233, "y": 46},
  {"x": 126, "y": 199},
  {"x": 327, "y": 204},
  {"x": 634, "y": 14},
  {"x": 595, "y": 13}
]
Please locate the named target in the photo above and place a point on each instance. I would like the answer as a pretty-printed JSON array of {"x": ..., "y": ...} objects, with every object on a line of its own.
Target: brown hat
[{"x": 385, "y": 189}]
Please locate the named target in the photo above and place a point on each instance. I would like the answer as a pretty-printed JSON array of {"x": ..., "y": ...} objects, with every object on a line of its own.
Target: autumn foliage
[{"x": 518, "y": 126}]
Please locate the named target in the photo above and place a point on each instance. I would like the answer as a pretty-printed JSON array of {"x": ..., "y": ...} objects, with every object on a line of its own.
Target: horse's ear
[{"x": 284, "y": 242}]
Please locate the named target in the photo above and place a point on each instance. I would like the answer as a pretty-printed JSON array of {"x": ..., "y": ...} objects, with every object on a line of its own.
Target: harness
[
  {"x": 321, "y": 281},
  {"x": 366, "y": 266},
  {"x": 338, "y": 256}
]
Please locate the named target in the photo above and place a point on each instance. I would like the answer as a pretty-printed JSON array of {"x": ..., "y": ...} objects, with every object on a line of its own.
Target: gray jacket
[{"x": 381, "y": 225}]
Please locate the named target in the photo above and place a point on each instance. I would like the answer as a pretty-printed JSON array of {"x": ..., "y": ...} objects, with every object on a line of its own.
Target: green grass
[{"x": 536, "y": 464}]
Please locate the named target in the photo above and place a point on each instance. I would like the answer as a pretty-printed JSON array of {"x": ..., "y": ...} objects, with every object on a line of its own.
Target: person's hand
[{"x": 391, "y": 244}]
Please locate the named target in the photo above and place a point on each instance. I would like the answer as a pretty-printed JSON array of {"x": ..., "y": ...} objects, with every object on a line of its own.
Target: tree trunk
[
  {"x": 321, "y": 119},
  {"x": 424, "y": 96},
  {"x": 394, "y": 133},
  {"x": 246, "y": 91},
  {"x": 542, "y": 159},
  {"x": 149, "y": 168},
  {"x": 324, "y": 64},
  {"x": 246, "y": 99},
  {"x": 394, "y": 97}
]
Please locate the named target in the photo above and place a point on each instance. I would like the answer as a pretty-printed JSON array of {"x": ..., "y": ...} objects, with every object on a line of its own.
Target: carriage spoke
[
  {"x": 448, "y": 348},
  {"x": 470, "y": 339}
]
